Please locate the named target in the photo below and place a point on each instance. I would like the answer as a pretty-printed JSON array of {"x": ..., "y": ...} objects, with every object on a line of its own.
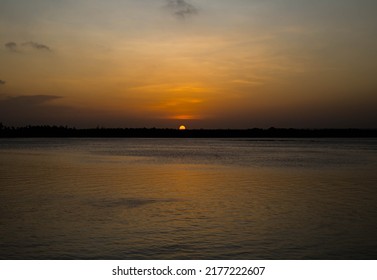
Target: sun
[{"x": 182, "y": 127}]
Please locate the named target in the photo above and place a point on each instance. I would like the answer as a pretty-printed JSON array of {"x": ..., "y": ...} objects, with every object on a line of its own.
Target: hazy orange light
[
  {"x": 182, "y": 127},
  {"x": 184, "y": 117}
]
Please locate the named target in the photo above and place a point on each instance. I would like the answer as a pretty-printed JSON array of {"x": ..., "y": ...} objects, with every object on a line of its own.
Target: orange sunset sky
[{"x": 201, "y": 63}]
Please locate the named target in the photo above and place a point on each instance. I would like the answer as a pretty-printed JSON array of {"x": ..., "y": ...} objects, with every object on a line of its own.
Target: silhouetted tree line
[{"x": 64, "y": 131}]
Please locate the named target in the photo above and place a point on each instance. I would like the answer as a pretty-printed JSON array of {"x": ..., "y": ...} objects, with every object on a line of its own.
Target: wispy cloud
[
  {"x": 181, "y": 8},
  {"x": 14, "y": 47},
  {"x": 27, "y": 100},
  {"x": 2, "y": 82},
  {"x": 11, "y": 46},
  {"x": 36, "y": 46}
]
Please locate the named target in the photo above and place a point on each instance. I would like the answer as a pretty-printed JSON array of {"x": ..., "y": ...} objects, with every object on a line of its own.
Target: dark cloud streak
[
  {"x": 37, "y": 46},
  {"x": 181, "y": 9},
  {"x": 27, "y": 100},
  {"x": 2, "y": 82},
  {"x": 14, "y": 47},
  {"x": 11, "y": 46}
]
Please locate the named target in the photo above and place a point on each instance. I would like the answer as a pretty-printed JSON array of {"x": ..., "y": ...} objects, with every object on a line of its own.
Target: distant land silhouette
[{"x": 47, "y": 131}]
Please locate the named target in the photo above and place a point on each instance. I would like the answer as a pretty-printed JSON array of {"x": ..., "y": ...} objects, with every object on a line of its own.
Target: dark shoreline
[{"x": 67, "y": 132}]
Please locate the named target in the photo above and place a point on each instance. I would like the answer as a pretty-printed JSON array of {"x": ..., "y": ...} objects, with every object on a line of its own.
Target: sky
[{"x": 200, "y": 63}]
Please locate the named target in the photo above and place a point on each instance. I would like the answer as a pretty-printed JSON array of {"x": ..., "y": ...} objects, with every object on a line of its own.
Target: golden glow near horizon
[
  {"x": 229, "y": 64},
  {"x": 182, "y": 127}
]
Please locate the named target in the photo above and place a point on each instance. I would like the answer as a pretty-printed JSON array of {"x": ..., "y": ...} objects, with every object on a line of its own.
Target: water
[{"x": 188, "y": 199}]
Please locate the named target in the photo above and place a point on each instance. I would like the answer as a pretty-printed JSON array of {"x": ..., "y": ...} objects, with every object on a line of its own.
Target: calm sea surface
[{"x": 188, "y": 199}]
